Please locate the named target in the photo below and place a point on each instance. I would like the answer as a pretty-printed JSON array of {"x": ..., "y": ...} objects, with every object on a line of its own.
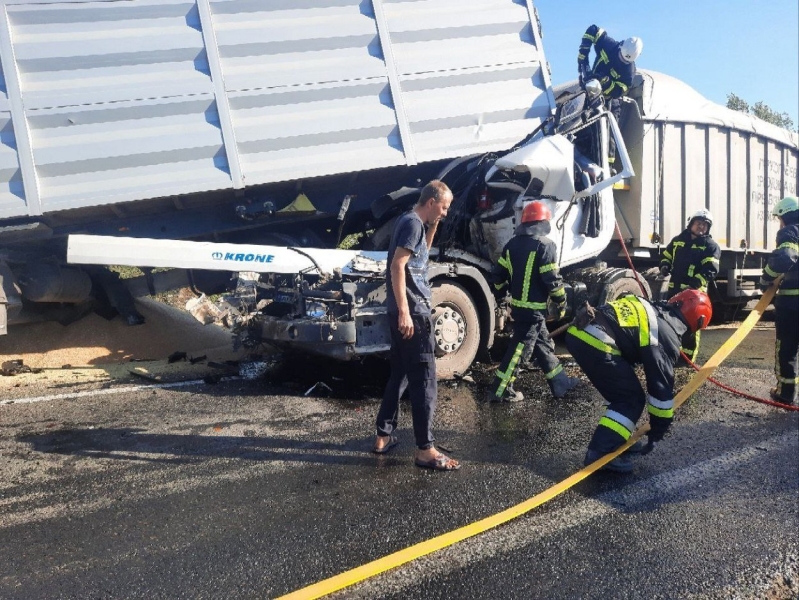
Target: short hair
[{"x": 438, "y": 190}]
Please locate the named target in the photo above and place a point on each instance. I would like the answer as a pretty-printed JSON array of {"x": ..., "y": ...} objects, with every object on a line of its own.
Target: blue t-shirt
[{"x": 409, "y": 233}]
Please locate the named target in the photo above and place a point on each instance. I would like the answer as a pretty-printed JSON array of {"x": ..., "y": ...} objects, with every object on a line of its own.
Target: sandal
[
  {"x": 392, "y": 441},
  {"x": 442, "y": 462}
]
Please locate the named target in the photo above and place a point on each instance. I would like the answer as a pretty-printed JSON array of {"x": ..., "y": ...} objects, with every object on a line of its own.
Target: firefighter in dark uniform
[
  {"x": 528, "y": 263},
  {"x": 783, "y": 262},
  {"x": 692, "y": 260},
  {"x": 614, "y": 67},
  {"x": 608, "y": 341}
]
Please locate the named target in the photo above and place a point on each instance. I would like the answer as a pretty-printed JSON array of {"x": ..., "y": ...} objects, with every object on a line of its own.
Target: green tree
[{"x": 761, "y": 110}]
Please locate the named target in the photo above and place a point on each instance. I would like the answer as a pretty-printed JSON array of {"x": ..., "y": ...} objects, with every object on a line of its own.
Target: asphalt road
[{"x": 249, "y": 489}]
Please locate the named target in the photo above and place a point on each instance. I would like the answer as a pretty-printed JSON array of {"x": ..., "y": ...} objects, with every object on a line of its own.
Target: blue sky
[{"x": 747, "y": 47}]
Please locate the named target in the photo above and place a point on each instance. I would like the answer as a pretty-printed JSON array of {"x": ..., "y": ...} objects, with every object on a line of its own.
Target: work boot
[
  {"x": 561, "y": 384},
  {"x": 637, "y": 447},
  {"x": 510, "y": 395},
  {"x": 620, "y": 464},
  {"x": 777, "y": 398}
]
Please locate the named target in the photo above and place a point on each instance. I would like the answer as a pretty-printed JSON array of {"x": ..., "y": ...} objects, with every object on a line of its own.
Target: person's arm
[
  {"x": 550, "y": 275},
  {"x": 590, "y": 37},
  {"x": 782, "y": 258},
  {"x": 666, "y": 262},
  {"x": 399, "y": 289},
  {"x": 709, "y": 266}
]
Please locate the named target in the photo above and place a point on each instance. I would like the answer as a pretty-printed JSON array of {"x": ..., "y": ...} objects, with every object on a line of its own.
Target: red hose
[{"x": 688, "y": 360}]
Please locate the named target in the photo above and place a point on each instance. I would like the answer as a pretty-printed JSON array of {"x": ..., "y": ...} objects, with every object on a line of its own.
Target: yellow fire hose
[{"x": 406, "y": 555}]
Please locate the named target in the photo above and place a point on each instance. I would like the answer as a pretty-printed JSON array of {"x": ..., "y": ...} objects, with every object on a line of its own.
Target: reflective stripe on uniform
[
  {"x": 547, "y": 268},
  {"x": 788, "y": 292},
  {"x": 558, "y": 292},
  {"x": 710, "y": 259},
  {"x": 507, "y": 377},
  {"x": 528, "y": 272},
  {"x": 771, "y": 272},
  {"x": 789, "y": 245},
  {"x": 595, "y": 338},
  {"x": 554, "y": 372},
  {"x": 660, "y": 408},
  {"x": 505, "y": 262},
  {"x": 618, "y": 423},
  {"x": 533, "y": 305},
  {"x": 654, "y": 335},
  {"x": 603, "y": 57}
]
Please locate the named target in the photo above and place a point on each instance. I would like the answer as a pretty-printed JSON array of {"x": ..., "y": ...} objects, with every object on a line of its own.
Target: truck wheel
[
  {"x": 456, "y": 329},
  {"x": 621, "y": 287}
]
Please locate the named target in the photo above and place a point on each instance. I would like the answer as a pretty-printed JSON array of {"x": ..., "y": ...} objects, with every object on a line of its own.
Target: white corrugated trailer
[
  {"x": 174, "y": 118},
  {"x": 689, "y": 153},
  {"x": 104, "y": 102}
]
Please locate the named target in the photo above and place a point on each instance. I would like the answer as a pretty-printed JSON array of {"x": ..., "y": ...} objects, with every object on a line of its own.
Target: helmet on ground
[
  {"x": 786, "y": 205},
  {"x": 630, "y": 49},
  {"x": 536, "y": 211},
  {"x": 703, "y": 214},
  {"x": 695, "y": 308}
]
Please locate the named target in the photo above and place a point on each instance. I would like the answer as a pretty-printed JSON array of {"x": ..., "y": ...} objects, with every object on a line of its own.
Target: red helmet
[
  {"x": 536, "y": 211},
  {"x": 695, "y": 308}
]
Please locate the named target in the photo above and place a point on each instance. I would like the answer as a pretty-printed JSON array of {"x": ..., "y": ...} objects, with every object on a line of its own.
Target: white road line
[{"x": 107, "y": 391}]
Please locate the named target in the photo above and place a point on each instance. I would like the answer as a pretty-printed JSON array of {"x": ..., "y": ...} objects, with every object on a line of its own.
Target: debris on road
[{"x": 15, "y": 367}]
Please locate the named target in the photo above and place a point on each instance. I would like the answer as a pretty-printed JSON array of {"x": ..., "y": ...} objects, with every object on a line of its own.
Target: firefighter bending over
[
  {"x": 528, "y": 263},
  {"x": 608, "y": 341},
  {"x": 692, "y": 260}
]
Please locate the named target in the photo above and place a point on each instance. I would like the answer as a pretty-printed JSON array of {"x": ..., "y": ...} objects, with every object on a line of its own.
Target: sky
[{"x": 746, "y": 47}]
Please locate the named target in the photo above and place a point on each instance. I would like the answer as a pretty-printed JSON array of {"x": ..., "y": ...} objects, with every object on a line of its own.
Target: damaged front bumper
[{"x": 367, "y": 334}]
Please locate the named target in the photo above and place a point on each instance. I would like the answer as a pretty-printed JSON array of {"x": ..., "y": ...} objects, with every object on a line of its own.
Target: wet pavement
[{"x": 249, "y": 489}]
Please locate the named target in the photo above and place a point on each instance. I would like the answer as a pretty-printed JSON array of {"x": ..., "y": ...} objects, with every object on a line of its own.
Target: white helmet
[
  {"x": 703, "y": 214},
  {"x": 630, "y": 49}
]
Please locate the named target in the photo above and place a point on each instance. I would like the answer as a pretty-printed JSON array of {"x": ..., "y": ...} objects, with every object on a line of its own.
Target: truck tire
[
  {"x": 621, "y": 287},
  {"x": 456, "y": 329}
]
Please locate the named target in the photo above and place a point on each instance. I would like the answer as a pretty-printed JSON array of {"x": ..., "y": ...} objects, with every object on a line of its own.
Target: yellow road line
[{"x": 406, "y": 555}]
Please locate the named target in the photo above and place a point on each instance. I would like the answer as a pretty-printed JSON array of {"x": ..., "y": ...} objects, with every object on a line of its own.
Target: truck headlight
[{"x": 315, "y": 310}]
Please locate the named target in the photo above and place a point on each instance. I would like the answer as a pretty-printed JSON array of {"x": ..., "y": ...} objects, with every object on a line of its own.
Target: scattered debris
[
  {"x": 253, "y": 369},
  {"x": 15, "y": 367},
  {"x": 196, "y": 359},
  {"x": 176, "y": 356},
  {"x": 138, "y": 372},
  {"x": 212, "y": 379},
  {"x": 204, "y": 310},
  {"x": 322, "y": 387}
]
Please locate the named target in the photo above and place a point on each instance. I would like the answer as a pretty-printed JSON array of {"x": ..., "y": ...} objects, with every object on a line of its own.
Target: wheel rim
[{"x": 449, "y": 330}]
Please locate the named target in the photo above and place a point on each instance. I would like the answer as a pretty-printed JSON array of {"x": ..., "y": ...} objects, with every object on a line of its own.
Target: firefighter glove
[
  {"x": 560, "y": 307},
  {"x": 764, "y": 284},
  {"x": 585, "y": 315},
  {"x": 665, "y": 270}
]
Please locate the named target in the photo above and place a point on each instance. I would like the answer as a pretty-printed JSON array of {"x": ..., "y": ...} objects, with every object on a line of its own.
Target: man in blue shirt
[{"x": 413, "y": 364}]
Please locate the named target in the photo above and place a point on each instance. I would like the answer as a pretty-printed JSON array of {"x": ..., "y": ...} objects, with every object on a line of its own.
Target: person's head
[
  {"x": 700, "y": 223},
  {"x": 630, "y": 49},
  {"x": 787, "y": 211},
  {"x": 434, "y": 202},
  {"x": 536, "y": 211},
  {"x": 695, "y": 308}
]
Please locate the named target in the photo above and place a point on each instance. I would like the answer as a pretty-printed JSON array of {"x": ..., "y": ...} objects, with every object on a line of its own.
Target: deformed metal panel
[
  {"x": 468, "y": 83},
  {"x": 308, "y": 87},
  {"x": 118, "y": 100}
]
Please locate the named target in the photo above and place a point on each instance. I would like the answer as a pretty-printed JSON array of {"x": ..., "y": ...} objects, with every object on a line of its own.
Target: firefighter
[
  {"x": 783, "y": 261},
  {"x": 692, "y": 260},
  {"x": 608, "y": 341},
  {"x": 528, "y": 264},
  {"x": 614, "y": 67}
]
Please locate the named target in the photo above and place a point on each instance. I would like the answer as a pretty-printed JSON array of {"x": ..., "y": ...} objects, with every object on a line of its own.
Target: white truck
[{"x": 284, "y": 126}]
